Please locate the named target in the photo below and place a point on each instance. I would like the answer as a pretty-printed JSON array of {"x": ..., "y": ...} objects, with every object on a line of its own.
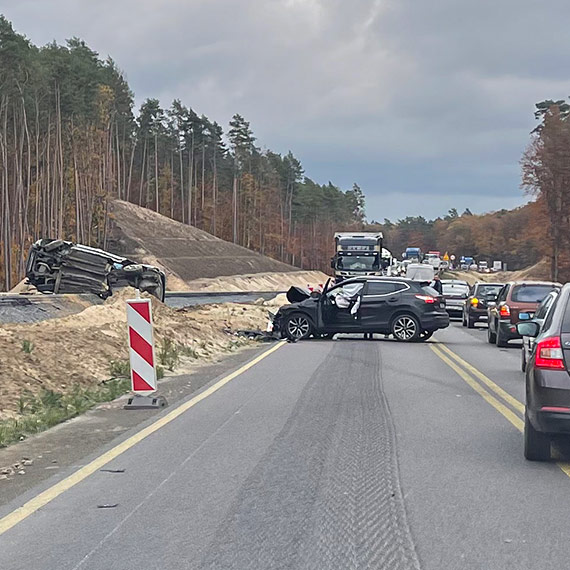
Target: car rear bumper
[
  {"x": 477, "y": 314},
  {"x": 435, "y": 321},
  {"x": 553, "y": 422},
  {"x": 508, "y": 330}
]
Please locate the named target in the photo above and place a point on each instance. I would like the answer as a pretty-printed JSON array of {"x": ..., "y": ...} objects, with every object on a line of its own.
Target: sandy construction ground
[{"x": 78, "y": 349}]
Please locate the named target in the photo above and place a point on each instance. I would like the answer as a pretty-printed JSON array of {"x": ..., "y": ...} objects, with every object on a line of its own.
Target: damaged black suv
[
  {"x": 408, "y": 310},
  {"x": 57, "y": 266}
]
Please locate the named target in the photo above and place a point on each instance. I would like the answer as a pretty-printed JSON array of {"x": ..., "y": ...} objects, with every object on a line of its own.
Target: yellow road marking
[
  {"x": 518, "y": 406},
  {"x": 489, "y": 398},
  {"x": 23, "y": 512},
  {"x": 438, "y": 348}
]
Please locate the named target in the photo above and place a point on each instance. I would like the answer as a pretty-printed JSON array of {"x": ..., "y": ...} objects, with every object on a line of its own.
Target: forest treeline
[
  {"x": 70, "y": 141},
  {"x": 516, "y": 237}
]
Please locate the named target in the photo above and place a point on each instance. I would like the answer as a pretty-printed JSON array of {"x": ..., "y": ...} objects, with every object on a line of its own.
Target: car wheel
[
  {"x": 500, "y": 340},
  {"x": 523, "y": 359},
  {"x": 491, "y": 336},
  {"x": 298, "y": 327},
  {"x": 470, "y": 322},
  {"x": 536, "y": 443},
  {"x": 425, "y": 335},
  {"x": 405, "y": 328}
]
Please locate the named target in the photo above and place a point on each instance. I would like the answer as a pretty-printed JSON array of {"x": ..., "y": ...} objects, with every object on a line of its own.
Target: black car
[
  {"x": 475, "y": 307},
  {"x": 547, "y": 410},
  {"x": 406, "y": 309},
  {"x": 58, "y": 266}
]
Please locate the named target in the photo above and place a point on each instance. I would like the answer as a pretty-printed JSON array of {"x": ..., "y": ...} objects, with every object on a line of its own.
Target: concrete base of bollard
[{"x": 140, "y": 402}]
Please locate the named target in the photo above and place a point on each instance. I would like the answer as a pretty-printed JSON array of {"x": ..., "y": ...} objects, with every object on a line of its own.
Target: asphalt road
[{"x": 323, "y": 455}]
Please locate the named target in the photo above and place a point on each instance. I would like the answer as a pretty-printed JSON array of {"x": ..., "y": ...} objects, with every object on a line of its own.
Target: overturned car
[
  {"x": 410, "y": 311},
  {"x": 58, "y": 266}
]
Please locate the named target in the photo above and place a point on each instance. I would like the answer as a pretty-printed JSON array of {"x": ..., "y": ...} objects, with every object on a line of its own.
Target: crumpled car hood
[{"x": 297, "y": 294}]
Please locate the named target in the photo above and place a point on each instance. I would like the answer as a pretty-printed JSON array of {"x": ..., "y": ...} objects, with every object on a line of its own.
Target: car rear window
[
  {"x": 454, "y": 290},
  {"x": 530, "y": 293},
  {"x": 484, "y": 290}
]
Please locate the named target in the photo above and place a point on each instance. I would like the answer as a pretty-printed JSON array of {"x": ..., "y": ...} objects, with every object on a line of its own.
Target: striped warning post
[{"x": 141, "y": 345}]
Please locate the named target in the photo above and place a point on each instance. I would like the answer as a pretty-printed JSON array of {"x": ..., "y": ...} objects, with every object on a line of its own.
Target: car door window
[
  {"x": 380, "y": 288},
  {"x": 345, "y": 295},
  {"x": 503, "y": 294},
  {"x": 543, "y": 307}
]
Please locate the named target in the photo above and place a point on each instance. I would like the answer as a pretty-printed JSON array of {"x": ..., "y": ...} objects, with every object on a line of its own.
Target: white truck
[{"x": 359, "y": 253}]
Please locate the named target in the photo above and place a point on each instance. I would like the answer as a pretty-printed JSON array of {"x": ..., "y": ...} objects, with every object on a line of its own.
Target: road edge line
[
  {"x": 516, "y": 404},
  {"x": 21, "y": 513},
  {"x": 489, "y": 398}
]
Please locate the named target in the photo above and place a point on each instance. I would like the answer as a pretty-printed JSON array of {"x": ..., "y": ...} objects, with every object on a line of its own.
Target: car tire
[
  {"x": 298, "y": 326},
  {"x": 406, "y": 328},
  {"x": 523, "y": 359},
  {"x": 491, "y": 336},
  {"x": 536, "y": 443},
  {"x": 425, "y": 335},
  {"x": 470, "y": 322},
  {"x": 499, "y": 339}
]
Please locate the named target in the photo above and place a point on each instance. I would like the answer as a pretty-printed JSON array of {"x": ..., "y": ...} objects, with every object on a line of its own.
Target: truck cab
[{"x": 359, "y": 254}]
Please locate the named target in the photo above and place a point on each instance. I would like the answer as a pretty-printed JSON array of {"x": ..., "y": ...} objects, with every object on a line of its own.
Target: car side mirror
[
  {"x": 524, "y": 317},
  {"x": 528, "y": 328}
]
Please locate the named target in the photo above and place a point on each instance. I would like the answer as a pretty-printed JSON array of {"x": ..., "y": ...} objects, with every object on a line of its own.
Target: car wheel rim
[
  {"x": 298, "y": 327},
  {"x": 405, "y": 328}
]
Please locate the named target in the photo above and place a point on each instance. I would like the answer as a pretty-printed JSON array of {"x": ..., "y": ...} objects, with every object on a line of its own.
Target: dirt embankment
[
  {"x": 60, "y": 353},
  {"x": 184, "y": 252},
  {"x": 538, "y": 272},
  {"x": 259, "y": 282}
]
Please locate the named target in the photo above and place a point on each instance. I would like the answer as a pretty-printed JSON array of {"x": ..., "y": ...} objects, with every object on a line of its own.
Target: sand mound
[
  {"x": 184, "y": 252},
  {"x": 78, "y": 349},
  {"x": 259, "y": 282}
]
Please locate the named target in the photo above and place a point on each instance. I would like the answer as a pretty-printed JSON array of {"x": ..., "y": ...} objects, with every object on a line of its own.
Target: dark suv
[
  {"x": 547, "y": 410},
  {"x": 514, "y": 298},
  {"x": 475, "y": 307},
  {"x": 409, "y": 310}
]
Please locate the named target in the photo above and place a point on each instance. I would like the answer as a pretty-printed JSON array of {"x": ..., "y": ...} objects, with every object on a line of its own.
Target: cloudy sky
[{"x": 427, "y": 104}]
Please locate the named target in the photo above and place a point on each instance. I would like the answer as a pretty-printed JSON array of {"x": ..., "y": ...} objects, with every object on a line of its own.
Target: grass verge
[{"x": 48, "y": 408}]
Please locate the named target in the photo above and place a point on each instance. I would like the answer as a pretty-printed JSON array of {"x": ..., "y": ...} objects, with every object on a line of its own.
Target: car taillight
[
  {"x": 426, "y": 298},
  {"x": 505, "y": 311},
  {"x": 549, "y": 354}
]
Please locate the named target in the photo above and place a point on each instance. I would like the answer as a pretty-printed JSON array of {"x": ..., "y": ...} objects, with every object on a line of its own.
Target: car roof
[
  {"x": 488, "y": 283},
  {"x": 531, "y": 282},
  {"x": 454, "y": 282}
]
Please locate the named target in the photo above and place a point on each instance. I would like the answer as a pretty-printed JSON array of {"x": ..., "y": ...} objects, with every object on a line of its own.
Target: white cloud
[{"x": 404, "y": 94}]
